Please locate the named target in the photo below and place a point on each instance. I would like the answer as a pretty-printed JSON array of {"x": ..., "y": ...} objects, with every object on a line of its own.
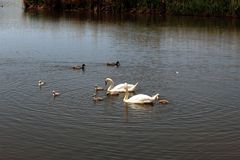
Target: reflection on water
[
  {"x": 140, "y": 106},
  {"x": 202, "y": 120}
]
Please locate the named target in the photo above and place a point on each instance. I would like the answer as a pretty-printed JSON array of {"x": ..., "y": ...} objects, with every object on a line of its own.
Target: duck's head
[
  {"x": 40, "y": 83},
  {"x": 117, "y": 63}
]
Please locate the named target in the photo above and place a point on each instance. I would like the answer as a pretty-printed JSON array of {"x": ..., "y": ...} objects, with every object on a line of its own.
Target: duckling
[
  {"x": 97, "y": 88},
  {"x": 112, "y": 93},
  {"x": 95, "y": 98},
  {"x": 78, "y": 67},
  {"x": 117, "y": 64},
  {"x": 163, "y": 101},
  {"x": 54, "y": 93},
  {"x": 41, "y": 83}
]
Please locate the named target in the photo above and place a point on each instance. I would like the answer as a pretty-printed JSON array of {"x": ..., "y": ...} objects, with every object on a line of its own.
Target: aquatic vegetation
[
  {"x": 34, "y": 2},
  {"x": 175, "y": 7},
  {"x": 199, "y": 7}
]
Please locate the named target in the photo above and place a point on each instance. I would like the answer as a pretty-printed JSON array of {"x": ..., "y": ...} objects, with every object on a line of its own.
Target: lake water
[{"x": 194, "y": 63}]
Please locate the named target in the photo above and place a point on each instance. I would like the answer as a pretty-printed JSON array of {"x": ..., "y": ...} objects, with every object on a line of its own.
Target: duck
[
  {"x": 97, "y": 88},
  {"x": 163, "y": 101},
  {"x": 95, "y": 98},
  {"x": 78, "y": 67},
  {"x": 119, "y": 87},
  {"x": 117, "y": 64},
  {"x": 41, "y": 83},
  {"x": 54, "y": 93},
  {"x": 139, "y": 98}
]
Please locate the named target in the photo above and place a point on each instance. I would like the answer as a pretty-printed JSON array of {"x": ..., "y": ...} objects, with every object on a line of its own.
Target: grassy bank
[{"x": 173, "y": 7}]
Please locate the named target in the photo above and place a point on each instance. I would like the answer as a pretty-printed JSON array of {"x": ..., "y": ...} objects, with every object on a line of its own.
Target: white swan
[
  {"x": 139, "y": 98},
  {"x": 119, "y": 87}
]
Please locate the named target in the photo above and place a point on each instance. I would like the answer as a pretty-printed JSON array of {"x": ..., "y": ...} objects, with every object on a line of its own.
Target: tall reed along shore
[{"x": 162, "y": 7}]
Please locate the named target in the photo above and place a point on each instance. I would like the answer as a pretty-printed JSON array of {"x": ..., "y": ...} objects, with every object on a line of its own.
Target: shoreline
[{"x": 159, "y": 8}]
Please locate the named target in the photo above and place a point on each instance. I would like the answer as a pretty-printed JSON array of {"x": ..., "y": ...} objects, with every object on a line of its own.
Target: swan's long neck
[
  {"x": 133, "y": 88},
  {"x": 155, "y": 97},
  {"x": 111, "y": 85},
  {"x": 126, "y": 95}
]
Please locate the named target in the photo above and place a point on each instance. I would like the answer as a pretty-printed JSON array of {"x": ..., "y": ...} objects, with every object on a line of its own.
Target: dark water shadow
[{"x": 139, "y": 20}]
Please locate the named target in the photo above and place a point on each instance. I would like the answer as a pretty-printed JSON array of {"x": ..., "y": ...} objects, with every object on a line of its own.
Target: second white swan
[
  {"x": 139, "y": 98},
  {"x": 119, "y": 87}
]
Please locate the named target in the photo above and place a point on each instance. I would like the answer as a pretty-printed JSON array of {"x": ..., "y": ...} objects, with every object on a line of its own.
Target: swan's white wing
[
  {"x": 130, "y": 86},
  {"x": 140, "y": 98},
  {"x": 121, "y": 87}
]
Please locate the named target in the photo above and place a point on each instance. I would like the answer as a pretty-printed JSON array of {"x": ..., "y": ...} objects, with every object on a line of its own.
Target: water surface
[{"x": 201, "y": 121}]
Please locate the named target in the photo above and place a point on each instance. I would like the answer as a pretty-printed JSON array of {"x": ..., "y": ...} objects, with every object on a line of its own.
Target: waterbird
[
  {"x": 54, "y": 93},
  {"x": 119, "y": 87},
  {"x": 97, "y": 88},
  {"x": 117, "y": 64},
  {"x": 139, "y": 98},
  {"x": 78, "y": 67},
  {"x": 41, "y": 83},
  {"x": 163, "y": 101},
  {"x": 95, "y": 98}
]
